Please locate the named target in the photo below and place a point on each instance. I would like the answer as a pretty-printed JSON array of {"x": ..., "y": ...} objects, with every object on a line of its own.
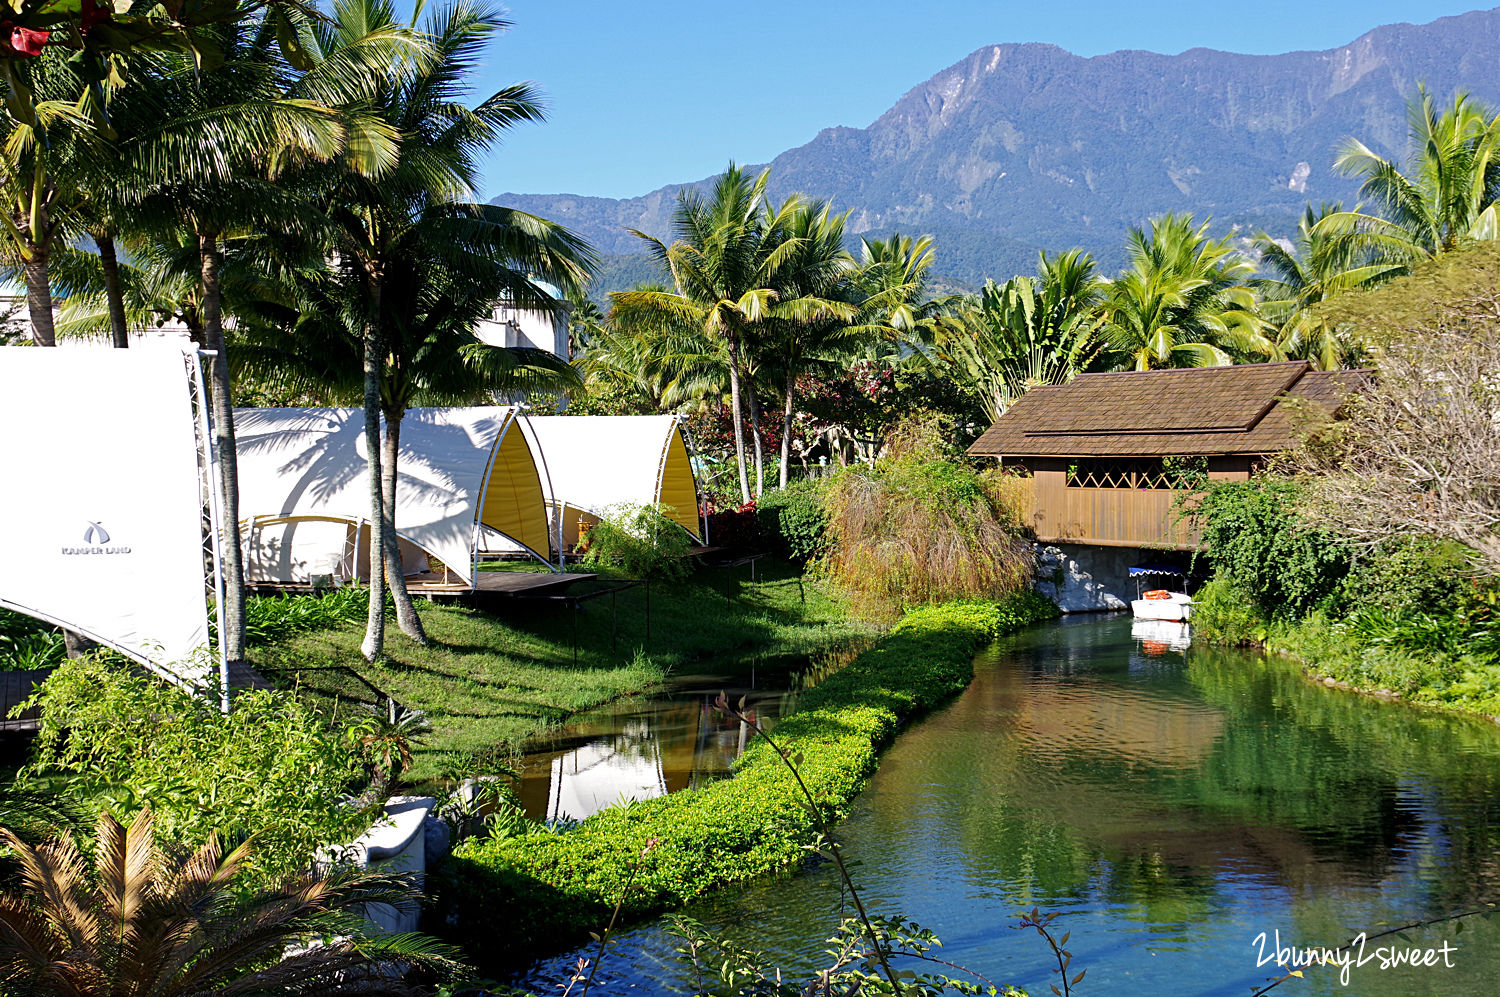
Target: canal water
[
  {"x": 1181, "y": 809},
  {"x": 671, "y": 739}
]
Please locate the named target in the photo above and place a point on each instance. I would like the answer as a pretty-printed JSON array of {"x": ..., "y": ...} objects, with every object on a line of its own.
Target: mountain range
[{"x": 1020, "y": 147}]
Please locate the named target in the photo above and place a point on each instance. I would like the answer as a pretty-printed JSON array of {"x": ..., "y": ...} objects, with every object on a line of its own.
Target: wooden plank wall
[{"x": 1123, "y": 517}]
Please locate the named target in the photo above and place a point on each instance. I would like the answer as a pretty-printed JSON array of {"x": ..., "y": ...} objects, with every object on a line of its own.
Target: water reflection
[
  {"x": 647, "y": 746},
  {"x": 1175, "y": 803}
]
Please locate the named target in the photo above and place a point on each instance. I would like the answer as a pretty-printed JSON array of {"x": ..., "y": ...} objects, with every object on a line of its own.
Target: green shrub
[
  {"x": 271, "y": 768},
  {"x": 548, "y": 886},
  {"x": 795, "y": 519},
  {"x": 269, "y": 619},
  {"x": 1252, "y": 531},
  {"x": 1410, "y": 575},
  {"x": 638, "y": 541},
  {"x": 1225, "y": 614},
  {"x": 27, "y": 643}
]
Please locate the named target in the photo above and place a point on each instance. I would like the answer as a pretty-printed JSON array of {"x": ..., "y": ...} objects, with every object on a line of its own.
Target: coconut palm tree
[
  {"x": 213, "y": 167},
  {"x": 818, "y": 309},
  {"x": 725, "y": 266},
  {"x": 1318, "y": 266},
  {"x": 415, "y": 263},
  {"x": 152, "y": 923},
  {"x": 1446, "y": 196},
  {"x": 1183, "y": 301}
]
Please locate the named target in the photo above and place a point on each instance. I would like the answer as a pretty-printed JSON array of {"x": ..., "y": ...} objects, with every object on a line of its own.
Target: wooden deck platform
[
  {"x": 496, "y": 583},
  {"x": 16, "y": 688}
]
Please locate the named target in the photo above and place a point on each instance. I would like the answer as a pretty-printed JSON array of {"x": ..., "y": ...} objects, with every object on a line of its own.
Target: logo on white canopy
[{"x": 96, "y": 540}]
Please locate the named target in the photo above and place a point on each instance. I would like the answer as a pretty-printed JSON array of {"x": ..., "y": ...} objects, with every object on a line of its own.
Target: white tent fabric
[
  {"x": 306, "y": 467},
  {"x": 595, "y": 462},
  {"x": 103, "y": 505}
]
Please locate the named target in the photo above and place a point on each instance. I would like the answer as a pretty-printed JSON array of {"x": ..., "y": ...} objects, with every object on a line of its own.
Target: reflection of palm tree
[{"x": 155, "y": 924}]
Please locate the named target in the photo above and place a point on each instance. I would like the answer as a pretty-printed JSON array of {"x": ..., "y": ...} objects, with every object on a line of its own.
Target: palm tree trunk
[
  {"x": 786, "y": 427},
  {"x": 232, "y": 613},
  {"x": 39, "y": 307},
  {"x": 395, "y": 573},
  {"x": 113, "y": 294},
  {"x": 736, "y": 416},
  {"x": 39, "y": 294},
  {"x": 374, "y": 642},
  {"x": 760, "y": 457}
]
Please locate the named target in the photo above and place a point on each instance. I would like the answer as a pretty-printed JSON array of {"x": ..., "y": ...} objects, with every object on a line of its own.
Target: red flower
[{"x": 27, "y": 41}]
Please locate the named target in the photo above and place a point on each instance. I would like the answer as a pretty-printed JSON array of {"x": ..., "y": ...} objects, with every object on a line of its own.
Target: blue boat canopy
[{"x": 1137, "y": 570}]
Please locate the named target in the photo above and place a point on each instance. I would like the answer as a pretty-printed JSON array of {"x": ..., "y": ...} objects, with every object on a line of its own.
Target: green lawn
[{"x": 490, "y": 681}]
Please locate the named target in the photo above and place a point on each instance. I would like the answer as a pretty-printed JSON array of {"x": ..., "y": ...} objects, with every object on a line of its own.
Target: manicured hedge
[{"x": 508, "y": 898}]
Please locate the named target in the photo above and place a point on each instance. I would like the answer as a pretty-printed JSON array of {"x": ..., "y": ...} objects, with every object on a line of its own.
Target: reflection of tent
[
  {"x": 596, "y": 461},
  {"x": 304, "y": 489},
  {"x": 107, "y": 493}
]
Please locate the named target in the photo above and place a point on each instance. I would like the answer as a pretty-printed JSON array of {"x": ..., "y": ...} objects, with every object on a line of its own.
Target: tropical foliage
[
  {"x": 135, "y": 917},
  {"x": 272, "y": 769}
]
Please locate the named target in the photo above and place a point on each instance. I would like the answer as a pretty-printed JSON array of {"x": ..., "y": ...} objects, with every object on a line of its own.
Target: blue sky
[{"x": 660, "y": 91}]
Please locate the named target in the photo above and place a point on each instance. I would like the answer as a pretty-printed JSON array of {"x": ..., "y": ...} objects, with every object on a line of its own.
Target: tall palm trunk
[
  {"x": 373, "y": 346},
  {"x": 232, "y": 613},
  {"x": 395, "y": 572},
  {"x": 736, "y": 416},
  {"x": 39, "y": 293},
  {"x": 786, "y": 427},
  {"x": 114, "y": 295},
  {"x": 760, "y": 457}
]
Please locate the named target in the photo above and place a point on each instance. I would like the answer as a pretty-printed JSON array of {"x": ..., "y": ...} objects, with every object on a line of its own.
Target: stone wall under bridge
[{"x": 1082, "y": 578}]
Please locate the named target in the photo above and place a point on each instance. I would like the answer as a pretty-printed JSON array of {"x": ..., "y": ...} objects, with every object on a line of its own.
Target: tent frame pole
[{"x": 216, "y": 515}]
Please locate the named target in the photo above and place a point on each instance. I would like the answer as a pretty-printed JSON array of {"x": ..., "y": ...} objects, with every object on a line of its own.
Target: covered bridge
[{"x": 1107, "y": 453}]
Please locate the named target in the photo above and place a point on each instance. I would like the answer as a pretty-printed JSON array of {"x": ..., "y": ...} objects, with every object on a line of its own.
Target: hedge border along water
[{"x": 507, "y": 899}]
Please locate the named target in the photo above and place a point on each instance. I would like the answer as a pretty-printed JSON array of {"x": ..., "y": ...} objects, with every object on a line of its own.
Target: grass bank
[
  {"x": 489, "y": 681},
  {"x": 1430, "y": 677},
  {"x": 509, "y": 898}
]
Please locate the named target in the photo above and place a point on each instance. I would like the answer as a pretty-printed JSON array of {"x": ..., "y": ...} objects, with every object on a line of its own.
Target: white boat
[{"x": 1161, "y": 603}]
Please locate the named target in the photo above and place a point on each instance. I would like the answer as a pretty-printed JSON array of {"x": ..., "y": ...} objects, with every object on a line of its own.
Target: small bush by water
[{"x": 549, "y": 886}]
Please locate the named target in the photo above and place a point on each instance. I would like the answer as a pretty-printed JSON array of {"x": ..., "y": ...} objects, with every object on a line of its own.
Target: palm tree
[
  {"x": 893, "y": 278},
  {"x": 725, "y": 265},
  {"x": 415, "y": 265},
  {"x": 1446, "y": 197},
  {"x": 1183, "y": 301},
  {"x": 818, "y": 307},
  {"x": 1318, "y": 266},
  {"x": 157, "y": 924},
  {"x": 210, "y": 169}
]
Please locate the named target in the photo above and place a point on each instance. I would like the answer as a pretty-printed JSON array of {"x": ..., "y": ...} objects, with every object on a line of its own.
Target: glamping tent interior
[
  {"x": 598, "y": 461},
  {"x": 304, "y": 496}
]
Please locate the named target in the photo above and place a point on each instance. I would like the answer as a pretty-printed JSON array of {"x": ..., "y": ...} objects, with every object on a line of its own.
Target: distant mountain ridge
[{"x": 1021, "y": 147}]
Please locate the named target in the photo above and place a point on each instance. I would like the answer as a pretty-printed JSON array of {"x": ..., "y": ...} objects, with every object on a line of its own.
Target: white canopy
[
  {"x": 596, "y": 461},
  {"x": 106, "y": 490},
  {"x": 302, "y": 470}
]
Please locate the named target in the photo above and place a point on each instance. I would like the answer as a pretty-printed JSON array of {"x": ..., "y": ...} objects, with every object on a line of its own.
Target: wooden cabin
[{"x": 1107, "y": 454}]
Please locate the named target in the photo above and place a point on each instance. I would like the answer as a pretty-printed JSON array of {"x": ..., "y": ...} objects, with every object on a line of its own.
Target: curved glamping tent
[
  {"x": 597, "y": 461},
  {"x": 304, "y": 491}
]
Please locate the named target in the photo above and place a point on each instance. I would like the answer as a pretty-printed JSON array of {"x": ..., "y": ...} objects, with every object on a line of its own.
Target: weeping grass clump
[{"x": 921, "y": 527}]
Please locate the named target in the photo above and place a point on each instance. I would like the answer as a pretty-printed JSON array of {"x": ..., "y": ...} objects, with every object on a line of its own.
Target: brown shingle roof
[{"x": 1243, "y": 409}]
